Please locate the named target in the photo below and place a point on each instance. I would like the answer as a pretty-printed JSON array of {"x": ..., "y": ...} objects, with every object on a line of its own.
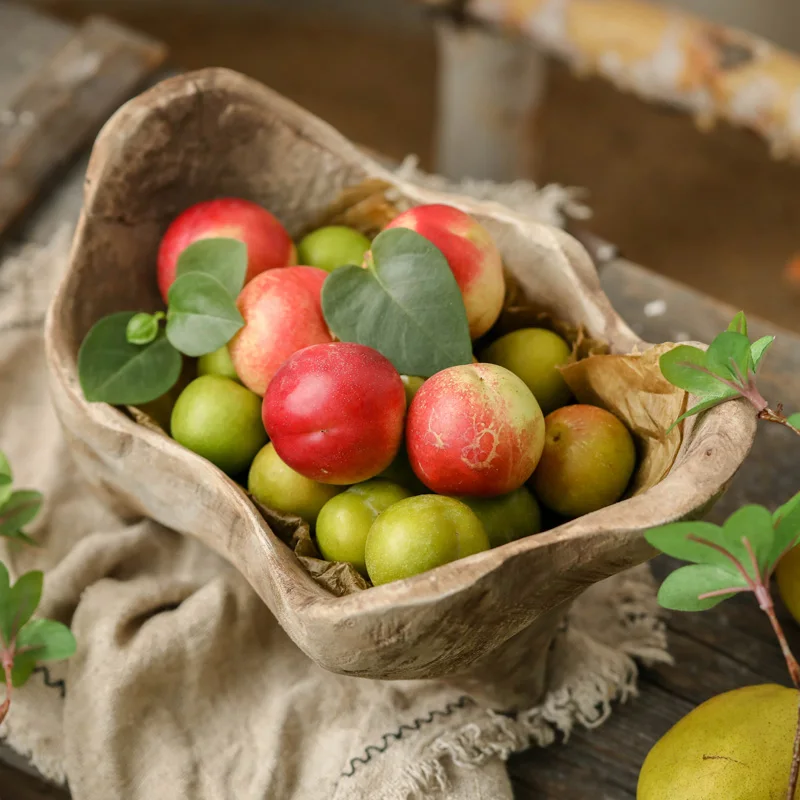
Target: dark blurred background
[{"x": 711, "y": 209}]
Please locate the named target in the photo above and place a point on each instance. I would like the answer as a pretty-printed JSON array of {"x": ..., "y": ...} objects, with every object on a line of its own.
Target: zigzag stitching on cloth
[
  {"x": 48, "y": 681},
  {"x": 395, "y": 736}
]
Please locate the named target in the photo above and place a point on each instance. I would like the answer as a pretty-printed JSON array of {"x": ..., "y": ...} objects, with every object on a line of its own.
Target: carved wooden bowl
[{"x": 485, "y": 621}]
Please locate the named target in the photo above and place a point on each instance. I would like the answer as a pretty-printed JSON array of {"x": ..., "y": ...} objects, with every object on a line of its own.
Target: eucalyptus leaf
[
  {"x": 682, "y": 588},
  {"x": 24, "y": 664},
  {"x": 704, "y": 406},
  {"x": 759, "y": 349},
  {"x": 143, "y": 328},
  {"x": 221, "y": 258},
  {"x": 202, "y": 315},
  {"x": 729, "y": 349},
  {"x": 754, "y": 523},
  {"x": 20, "y": 509},
  {"x": 673, "y": 540},
  {"x": 739, "y": 323},
  {"x": 6, "y": 619},
  {"x": 24, "y": 599},
  {"x": 786, "y": 521},
  {"x": 406, "y": 304},
  {"x": 682, "y": 366},
  {"x": 112, "y": 370},
  {"x": 6, "y": 479},
  {"x": 48, "y": 640}
]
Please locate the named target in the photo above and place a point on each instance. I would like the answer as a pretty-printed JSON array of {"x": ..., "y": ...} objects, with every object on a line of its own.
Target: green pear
[{"x": 736, "y": 746}]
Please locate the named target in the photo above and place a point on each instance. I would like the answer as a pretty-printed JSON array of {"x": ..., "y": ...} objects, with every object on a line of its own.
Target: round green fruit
[
  {"x": 217, "y": 363},
  {"x": 534, "y": 355},
  {"x": 420, "y": 533},
  {"x": 331, "y": 247},
  {"x": 508, "y": 517},
  {"x": 277, "y": 486},
  {"x": 735, "y": 746},
  {"x": 220, "y": 420},
  {"x": 345, "y": 520},
  {"x": 411, "y": 384}
]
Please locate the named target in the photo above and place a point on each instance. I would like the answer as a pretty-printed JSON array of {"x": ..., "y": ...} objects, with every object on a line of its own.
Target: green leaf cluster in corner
[
  {"x": 724, "y": 371},
  {"x": 727, "y": 559}
]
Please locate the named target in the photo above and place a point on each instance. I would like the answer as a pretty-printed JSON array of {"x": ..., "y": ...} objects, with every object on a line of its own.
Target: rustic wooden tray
[{"x": 485, "y": 621}]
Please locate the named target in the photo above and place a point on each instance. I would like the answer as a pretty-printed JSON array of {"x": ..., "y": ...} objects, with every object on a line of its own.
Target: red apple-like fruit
[
  {"x": 474, "y": 430},
  {"x": 587, "y": 462},
  {"x": 335, "y": 412},
  {"x": 268, "y": 243},
  {"x": 472, "y": 255},
  {"x": 282, "y": 314}
]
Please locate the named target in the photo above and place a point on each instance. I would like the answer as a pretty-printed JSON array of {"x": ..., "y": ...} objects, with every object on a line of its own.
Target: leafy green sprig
[
  {"x": 131, "y": 358},
  {"x": 726, "y": 370},
  {"x": 24, "y": 642}
]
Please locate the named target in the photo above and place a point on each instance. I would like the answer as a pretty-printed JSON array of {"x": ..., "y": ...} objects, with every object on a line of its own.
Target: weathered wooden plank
[{"x": 64, "y": 103}]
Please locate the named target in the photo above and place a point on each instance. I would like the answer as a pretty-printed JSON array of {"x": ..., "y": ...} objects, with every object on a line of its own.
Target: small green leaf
[
  {"x": 682, "y": 589},
  {"x": 112, "y": 370},
  {"x": 786, "y": 521},
  {"x": 223, "y": 259},
  {"x": 406, "y": 304},
  {"x": 704, "y": 406},
  {"x": 727, "y": 349},
  {"x": 794, "y": 420},
  {"x": 202, "y": 316},
  {"x": 23, "y": 600},
  {"x": 24, "y": 664},
  {"x": 759, "y": 349},
  {"x": 143, "y": 328},
  {"x": 48, "y": 640},
  {"x": 673, "y": 540},
  {"x": 5, "y": 605},
  {"x": 682, "y": 366},
  {"x": 753, "y": 523},
  {"x": 739, "y": 323},
  {"x": 20, "y": 509},
  {"x": 6, "y": 479}
]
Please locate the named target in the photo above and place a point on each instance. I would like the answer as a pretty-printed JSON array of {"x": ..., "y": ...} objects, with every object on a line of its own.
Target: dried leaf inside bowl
[
  {"x": 337, "y": 577},
  {"x": 633, "y": 388}
]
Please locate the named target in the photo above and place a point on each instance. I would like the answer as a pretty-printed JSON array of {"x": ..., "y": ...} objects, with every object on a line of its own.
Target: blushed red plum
[
  {"x": 335, "y": 412},
  {"x": 587, "y": 463},
  {"x": 474, "y": 430},
  {"x": 268, "y": 243},
  {"x": 472, "y": 255},
  {"x": 282, "y": 314}
]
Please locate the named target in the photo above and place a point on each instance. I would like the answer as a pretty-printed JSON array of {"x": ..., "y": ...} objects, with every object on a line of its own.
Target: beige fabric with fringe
[{"x": 184, "y": 685}]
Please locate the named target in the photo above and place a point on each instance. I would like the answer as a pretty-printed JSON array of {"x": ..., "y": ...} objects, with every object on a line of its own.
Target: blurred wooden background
[{"x": 712, "y": 210}]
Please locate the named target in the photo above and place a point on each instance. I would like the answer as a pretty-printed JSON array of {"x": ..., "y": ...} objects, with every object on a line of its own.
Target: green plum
[
  {"x": 217, "y": 363},
  {"x": 534, "y": 354},
  {"x": 278, "y": 486},
  {"x": 332, "y": 246},
  {"x": 508, "y": 517},
  {"x": 411, "y": 384},
  {"x": 420, "y": 533},
  {"x": 220, "y": 420},
  {"x": 345, "y": 520}
]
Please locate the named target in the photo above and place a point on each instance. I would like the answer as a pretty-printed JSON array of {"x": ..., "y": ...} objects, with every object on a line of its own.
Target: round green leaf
[
  {"x": 112, "y": 370},
  {"x": 682, "y": 588},
  {"x": 142, "y": 328},
  {"x": 20, "y": 509},
  {"x": 47, "y": 639},
  {"x": 24, "y": 664},
  {"x": 728, "y": 349},
  {"x": 682, "y": 367},
  {"x": 221, "y": 258},
  {"x": 18, "y": 603},
  {"x": 406, "y": 304},
  {"x": 202, "y": 316},
  {"x": 6, "y": 479}
]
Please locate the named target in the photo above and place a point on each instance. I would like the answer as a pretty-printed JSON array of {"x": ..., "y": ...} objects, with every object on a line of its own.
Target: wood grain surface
[{"x": 57, "y": 87}]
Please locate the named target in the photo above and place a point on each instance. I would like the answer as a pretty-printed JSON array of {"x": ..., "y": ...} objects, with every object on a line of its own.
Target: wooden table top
[{"x": 721, "y": 649}]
